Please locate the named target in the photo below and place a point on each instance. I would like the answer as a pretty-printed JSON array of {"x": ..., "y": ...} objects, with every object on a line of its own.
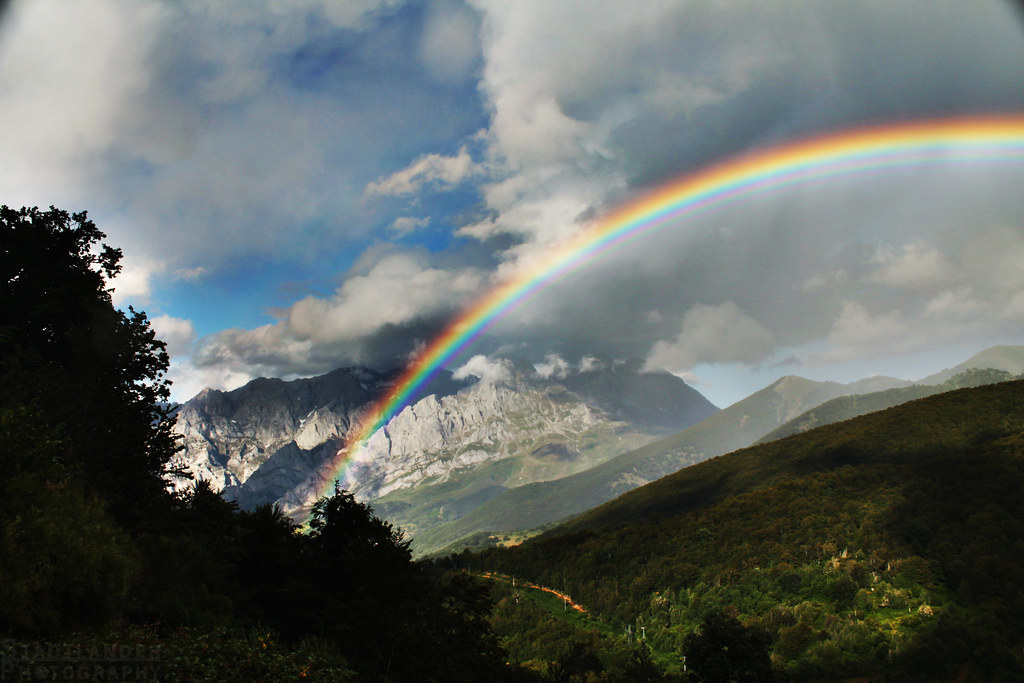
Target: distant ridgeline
[{"x": 887, "y": 545}]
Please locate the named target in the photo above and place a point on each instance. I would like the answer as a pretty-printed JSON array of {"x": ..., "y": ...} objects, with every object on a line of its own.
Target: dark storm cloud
[{"x": 412, "y": 155}]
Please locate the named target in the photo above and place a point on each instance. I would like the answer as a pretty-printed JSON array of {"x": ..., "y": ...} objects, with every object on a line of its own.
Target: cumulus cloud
[
  {"x": 913, "y": 266},
  {"x": 177, "y": 333},
  {"x": 374, "y": 318},
  {"x": 69, "y": 73},
  {"x": 433, "y": 169},
  {"x": 833, "y": 278},
  {"x": 713, "y": 334},
  {"x": 187, "y": 380},
  {"x": 133, "y": 285},
  {"x": 189, "y": 274},
  {"x": 553, "y": 366},
  {"x": 487, "y": 370},
  {"x": 404, "y": 225},
  {"x": 449, "y": 45}
]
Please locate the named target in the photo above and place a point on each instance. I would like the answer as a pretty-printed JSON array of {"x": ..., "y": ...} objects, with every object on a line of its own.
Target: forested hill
[{"x": 888, "y": 545}]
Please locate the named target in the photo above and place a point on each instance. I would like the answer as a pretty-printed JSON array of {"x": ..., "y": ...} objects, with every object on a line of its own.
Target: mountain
[
  {"x": 536, "y": 505},
  {"x": 847, "y": 407},
  {"x": 258, "y": 441},
  {"x": 267, "y": 441},
  {"x": 473, "y": 460},
  {"x": 1007, "y": 358},
  {"x": 788, "y": 405},
  {"x": 881, "y": 547}
]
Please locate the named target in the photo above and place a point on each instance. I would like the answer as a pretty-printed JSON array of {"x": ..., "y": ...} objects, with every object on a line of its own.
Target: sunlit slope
[
  {"x": 847, "y": 407},
  {"x": 539, "y": 504},
  {"x": 1007, "y": 358},
  {"x": 905, "y": 434},
  {"x": 886, "y": 545}
]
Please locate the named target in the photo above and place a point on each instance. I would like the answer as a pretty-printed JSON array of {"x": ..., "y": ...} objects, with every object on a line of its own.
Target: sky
[{"x": 304, "y": 186}]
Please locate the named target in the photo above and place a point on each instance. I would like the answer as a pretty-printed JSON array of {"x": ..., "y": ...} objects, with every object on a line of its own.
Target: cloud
[
  {"x": 189, "y": 274},
  {"x": 187, "y": 380},
  {"x": 712, "y": 334},
  {"x": 833, "y": 278},
  {"x": 858, "y": 332},
  {"x": 69, "y": 75},
  {"x": 913, "y": 266},
  {"x": 374, "y": 318},
  {"x": 449, "y": 46},
  {"x": 177, "y": 333},
  {"x": 404, "y": 225},
  {"x": 489, "y": 371},
  {"x": 436, "y": 170},
  {"x": 553, "y": 366},
  {"x": 238, "y": 144},
  {"x": 133, "y": 285}
]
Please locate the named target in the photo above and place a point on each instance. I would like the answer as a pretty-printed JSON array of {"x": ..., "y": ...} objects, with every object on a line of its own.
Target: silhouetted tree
[
  {"x": 92, "y": 370},
  {"x": 395, "y": 620}
]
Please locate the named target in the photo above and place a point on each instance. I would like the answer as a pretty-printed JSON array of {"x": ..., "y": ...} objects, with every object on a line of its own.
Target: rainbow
[{"x": 844, "y": 153}]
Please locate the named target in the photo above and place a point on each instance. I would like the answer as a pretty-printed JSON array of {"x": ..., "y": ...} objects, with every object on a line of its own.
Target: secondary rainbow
[{"x": 845, "y": 153}]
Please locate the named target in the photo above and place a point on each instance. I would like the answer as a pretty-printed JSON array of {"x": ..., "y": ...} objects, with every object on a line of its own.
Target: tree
[
  {"x": 395, "y": 620},
  {"x": 95, "y": 372},
  {"x": 64, "y": 563},
  {"x": 724, "y": 650}
]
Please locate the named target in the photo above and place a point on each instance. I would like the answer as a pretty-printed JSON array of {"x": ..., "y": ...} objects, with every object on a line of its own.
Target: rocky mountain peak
[{"x": 266, "y": 442}]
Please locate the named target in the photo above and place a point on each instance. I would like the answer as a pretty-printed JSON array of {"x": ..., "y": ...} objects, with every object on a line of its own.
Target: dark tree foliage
[
  {"x": 398, "y": 621},
  {"x": 724, "y": 650},
  {"x": 92, "y": 370},
  {"x": 232, "y": 594},
  {"x": 64, "y": 563}
]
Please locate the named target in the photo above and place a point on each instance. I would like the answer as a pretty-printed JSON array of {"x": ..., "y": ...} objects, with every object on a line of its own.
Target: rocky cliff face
[
  {"x": 268, "y": 441},
  {"x": 236, "y": 439}
]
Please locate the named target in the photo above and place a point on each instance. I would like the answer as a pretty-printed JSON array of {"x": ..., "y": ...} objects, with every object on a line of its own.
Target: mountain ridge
[{"x": 266, "y": 442}]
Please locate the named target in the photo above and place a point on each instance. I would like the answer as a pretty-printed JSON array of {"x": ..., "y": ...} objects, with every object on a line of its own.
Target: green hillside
[
  {"x": 1007, "y": 358},
  {"x": 535, "y": 505},
  {"x": 847, "y": 407},
  {"x": 888, "y": 546}
]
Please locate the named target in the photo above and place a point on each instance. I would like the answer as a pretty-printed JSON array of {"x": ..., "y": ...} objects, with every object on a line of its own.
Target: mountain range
[
  {"x": 266, "y": 442},
  {"x": 474, "y": 461}
]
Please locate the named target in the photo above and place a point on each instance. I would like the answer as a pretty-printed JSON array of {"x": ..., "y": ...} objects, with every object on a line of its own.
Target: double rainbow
[{"x": 845, "y": 153}]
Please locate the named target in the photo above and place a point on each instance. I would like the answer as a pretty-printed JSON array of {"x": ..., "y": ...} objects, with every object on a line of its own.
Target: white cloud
[
  {"x": 398, "y": 289},
  {"x": 993, "y": 260},
  {"x": 913, "y": 266},
  {"x": 489, "y": 371},
  {"x": 69, "y": 73},
  {"x": 405, "y": 225},
  {"x": 431, "y": 169},
  {"x": 449, "y": 46},
  {"x": 553, "y": 366},
  {"x": 712, "y": 334},
  {"x": 189, "y": 274},
  {"x": 372, "y": 318},
  {"x": 177, "y": 333},
  {"x": 859, "y": 332},
  {"x": 133, "y": 284},
  {"x": 827, "y": 280},
  {"x": 187, "y": 380},
  {"x": 958, "y": 305}
]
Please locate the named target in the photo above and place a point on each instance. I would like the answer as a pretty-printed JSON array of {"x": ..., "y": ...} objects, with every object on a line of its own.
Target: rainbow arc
[{"x": 852, "y": 152}]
